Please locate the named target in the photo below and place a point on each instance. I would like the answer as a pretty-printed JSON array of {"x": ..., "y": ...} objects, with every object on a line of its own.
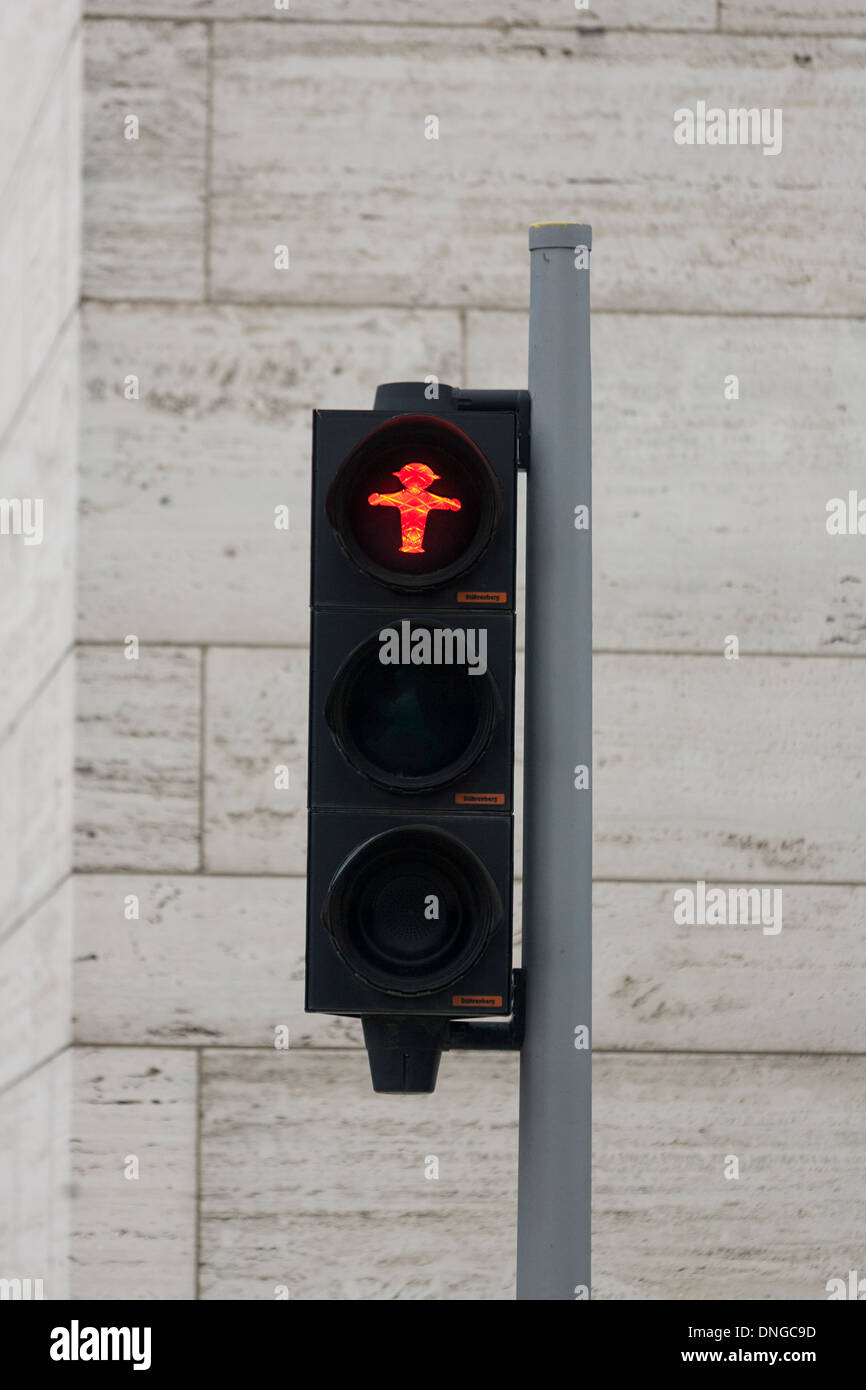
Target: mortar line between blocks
[
  {"x": 229, "y": 644},
  {"x": 325, "y": 1049},
  {"x": 560, "y": 31},
  {"x": 338, "y": 306},
  {"x": 298, "y": 876}
]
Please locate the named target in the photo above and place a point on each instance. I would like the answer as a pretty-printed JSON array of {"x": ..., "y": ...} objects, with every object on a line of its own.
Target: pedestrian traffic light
[{"x": 411, "y": 751}]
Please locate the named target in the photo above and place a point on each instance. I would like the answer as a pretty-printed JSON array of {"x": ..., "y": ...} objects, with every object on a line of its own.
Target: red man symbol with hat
[{"x": 414, "y": 502}]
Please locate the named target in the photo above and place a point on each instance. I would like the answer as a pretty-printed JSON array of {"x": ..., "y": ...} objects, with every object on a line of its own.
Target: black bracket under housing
[{"x": 405, "y": 1049}]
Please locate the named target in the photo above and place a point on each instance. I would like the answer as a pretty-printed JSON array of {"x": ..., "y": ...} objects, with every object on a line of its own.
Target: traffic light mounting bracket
[
  {"x": 405, "y": 1050},
  {"x": 493, "y": 1034},
  {"x": 413, "y": 395}
]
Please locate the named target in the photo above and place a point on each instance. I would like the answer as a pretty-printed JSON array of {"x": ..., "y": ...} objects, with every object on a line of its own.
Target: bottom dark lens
[{"x": 411, "y": 910}]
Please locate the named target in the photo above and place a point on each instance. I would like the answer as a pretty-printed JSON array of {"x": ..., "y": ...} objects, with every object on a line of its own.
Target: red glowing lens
[
  {"x": 432, "y": 527},
  {"x": 413, "y": 504}
]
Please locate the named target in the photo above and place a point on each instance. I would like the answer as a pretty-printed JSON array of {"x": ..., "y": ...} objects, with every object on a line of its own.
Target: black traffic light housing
[{"x": 410, "y": 851}]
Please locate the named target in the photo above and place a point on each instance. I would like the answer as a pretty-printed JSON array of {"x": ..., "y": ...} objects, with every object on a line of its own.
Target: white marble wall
[
  {"x": 140, "y": 994},
  {"x": 40, "y": 178},
  {"x": 346, "y": 1211}
]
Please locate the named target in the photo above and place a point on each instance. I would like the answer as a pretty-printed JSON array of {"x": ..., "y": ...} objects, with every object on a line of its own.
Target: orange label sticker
[
  {"x": 477, "y": 1001},
  {"x": 481, "y": 596},
  {"x": 480, "y": 799}
]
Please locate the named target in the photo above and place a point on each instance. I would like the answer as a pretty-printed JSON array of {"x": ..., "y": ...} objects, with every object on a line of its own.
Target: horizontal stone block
[
  {"x": 144, "y": 184},
  {"x": 670, "y": 1224},
  {"x": 349, "y": 1212},
  {"x": 179, "y": 488},
  {"x": 137, "y": 758},
  {"x": 215, "y": 960},
  {"x": 384, "y": 1230},
  {"x": 531, "y": 128},
  {"x": 255, "y": 779},
  {"x": 748, "y": 770},
  {"x": 220, "y": 960},
  {"x": 133, "y": 1159},
  {"x": 732, "y": 987},
  {"x": 710, "y": 514}
]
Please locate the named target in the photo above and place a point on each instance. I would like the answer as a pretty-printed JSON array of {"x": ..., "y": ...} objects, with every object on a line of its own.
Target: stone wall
[{"x": 146, "y": 785}]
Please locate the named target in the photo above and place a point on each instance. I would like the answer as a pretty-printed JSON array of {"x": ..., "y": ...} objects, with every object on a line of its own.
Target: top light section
[{"x": 416, "y": 503}]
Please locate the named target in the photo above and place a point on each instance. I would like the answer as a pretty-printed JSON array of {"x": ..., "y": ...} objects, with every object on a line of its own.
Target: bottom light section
[{"x": 409, "y": 915}]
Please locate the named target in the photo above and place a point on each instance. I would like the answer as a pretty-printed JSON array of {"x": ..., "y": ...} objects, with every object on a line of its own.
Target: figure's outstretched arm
[
  {"x": 384, "y": 499},
  {"x": 443, "y": 504}
]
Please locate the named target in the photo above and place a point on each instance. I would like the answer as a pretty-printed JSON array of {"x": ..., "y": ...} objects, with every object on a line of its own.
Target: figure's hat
[{"x": 416, "y": 473}]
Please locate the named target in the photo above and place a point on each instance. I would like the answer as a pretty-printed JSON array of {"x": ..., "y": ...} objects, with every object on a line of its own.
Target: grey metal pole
[{"x": 553, "y": 1210}]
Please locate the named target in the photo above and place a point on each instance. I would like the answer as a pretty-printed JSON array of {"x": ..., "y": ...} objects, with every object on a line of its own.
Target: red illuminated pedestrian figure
[{"x": 414, "y": 503}]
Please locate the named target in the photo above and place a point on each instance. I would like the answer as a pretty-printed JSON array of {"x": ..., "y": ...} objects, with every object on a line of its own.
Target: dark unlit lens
[
  {"x": 412, "y": 721},
  {"x": 411, "y": 728},
  {"x": 411, "y": 910},
  {"x": 409, "y": 919}
]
